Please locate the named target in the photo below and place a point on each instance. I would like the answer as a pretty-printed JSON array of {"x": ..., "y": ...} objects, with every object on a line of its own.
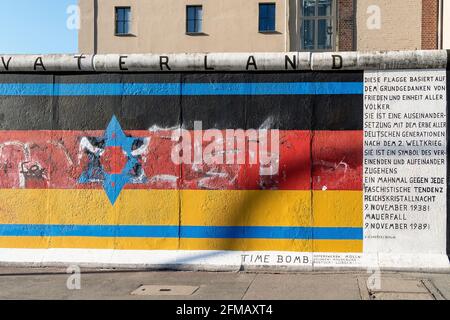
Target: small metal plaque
[{"x": 162, "y": 290}]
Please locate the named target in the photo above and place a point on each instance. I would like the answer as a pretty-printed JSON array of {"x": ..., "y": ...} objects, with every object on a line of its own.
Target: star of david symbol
[{"x": 113, "y": 160}]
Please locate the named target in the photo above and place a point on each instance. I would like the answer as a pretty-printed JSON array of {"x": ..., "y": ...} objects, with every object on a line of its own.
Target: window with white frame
[
  {"x": 123, "y": 20},
  {"x": 194, "y": 19}
]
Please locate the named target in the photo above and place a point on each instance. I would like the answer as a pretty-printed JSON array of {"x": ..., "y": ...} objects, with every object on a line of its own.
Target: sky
[{"x": 37, "y": 26}]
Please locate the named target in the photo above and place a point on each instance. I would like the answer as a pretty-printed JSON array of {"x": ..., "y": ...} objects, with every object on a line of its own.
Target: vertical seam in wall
[
  {"x": 93, "y": 63},
  {"x": 312, "y": 195},
  {"x": 180, "y": 181},
  {"x": 120, "y": 116},
  {"x": 311, "y": 179},
  {"x": 53, "y": 126}
]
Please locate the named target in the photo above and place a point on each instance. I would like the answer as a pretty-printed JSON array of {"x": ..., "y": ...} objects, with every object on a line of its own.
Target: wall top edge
[{"x": 213, "y": 62}]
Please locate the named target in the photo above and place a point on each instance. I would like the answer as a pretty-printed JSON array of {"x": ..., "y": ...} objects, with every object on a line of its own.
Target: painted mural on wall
[{"x": 167, "y": 167}]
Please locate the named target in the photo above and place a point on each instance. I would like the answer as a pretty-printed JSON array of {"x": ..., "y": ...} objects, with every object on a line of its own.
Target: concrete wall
[
  {"x": 88, "y": 33},
  {"x": 144, "y": 169},
  {"x": 400, "y": 27},
  {"x": 228, "y": 25}
]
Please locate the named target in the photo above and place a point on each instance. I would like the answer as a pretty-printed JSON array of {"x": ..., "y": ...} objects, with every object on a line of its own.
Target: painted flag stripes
[{"x": 87, "y": 161}]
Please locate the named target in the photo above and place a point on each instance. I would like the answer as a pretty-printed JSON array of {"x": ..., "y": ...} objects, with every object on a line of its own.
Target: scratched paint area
[
  {"x": 337, "y": 160},
  {"x": 41, "y": 160},
  {"x": 57, "y": 159}
]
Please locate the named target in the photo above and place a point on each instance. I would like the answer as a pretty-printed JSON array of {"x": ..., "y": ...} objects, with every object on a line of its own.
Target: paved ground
[{"x": 51, "y": 283}]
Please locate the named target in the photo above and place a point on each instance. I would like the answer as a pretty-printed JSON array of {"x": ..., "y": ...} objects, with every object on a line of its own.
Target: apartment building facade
[{"x": 173, "y": 26}]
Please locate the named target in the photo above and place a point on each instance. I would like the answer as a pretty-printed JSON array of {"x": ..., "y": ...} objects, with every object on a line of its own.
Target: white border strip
[
  {"x": 223, "y": 260},
  {"x": 243, "y": 62}
]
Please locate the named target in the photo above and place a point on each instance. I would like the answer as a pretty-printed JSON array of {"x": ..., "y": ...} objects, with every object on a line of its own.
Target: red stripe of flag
[{"x": 53, "y": 159}]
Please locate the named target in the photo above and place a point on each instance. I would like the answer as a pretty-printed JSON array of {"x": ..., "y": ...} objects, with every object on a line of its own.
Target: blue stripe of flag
[
  {"x": 195, "y": 232},
  {"x": 188, "y": 89}
]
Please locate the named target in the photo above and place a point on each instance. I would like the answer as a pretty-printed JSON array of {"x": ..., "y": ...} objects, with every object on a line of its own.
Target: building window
[
  {"x": 266, "y": 17},
  {"x": 123, "y": 20},
  {"x": 317, "y": 24},
  {"x": 194, "y": 16}
]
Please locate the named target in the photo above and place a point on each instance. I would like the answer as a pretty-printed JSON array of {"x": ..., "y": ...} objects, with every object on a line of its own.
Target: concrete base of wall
[{"x": 223, "y": 260}]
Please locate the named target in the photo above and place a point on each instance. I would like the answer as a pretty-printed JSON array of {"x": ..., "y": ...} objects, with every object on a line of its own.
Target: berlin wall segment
[{"x": 167, "y": 168}]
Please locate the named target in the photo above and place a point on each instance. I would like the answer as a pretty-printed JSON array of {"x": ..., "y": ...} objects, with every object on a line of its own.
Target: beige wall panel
[
  {"x": 400, "y": 27},
  {"x": 160, "y": 25}
]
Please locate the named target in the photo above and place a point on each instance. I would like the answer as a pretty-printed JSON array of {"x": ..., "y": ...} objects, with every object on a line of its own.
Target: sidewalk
[{"x": 51, "y": 283}]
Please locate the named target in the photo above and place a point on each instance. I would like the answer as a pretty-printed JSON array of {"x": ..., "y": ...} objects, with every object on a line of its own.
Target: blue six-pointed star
[{"x": 114, "y": 183}]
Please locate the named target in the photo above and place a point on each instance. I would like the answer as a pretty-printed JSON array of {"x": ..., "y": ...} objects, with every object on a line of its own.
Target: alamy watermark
[
  {"x": 374, "y": 19},
  {"x": 230, "y": 146},
  {"x": 374, "y": 280},
  {"x": 74, "y": 280},
  {"x": 73, "y": 19}
]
